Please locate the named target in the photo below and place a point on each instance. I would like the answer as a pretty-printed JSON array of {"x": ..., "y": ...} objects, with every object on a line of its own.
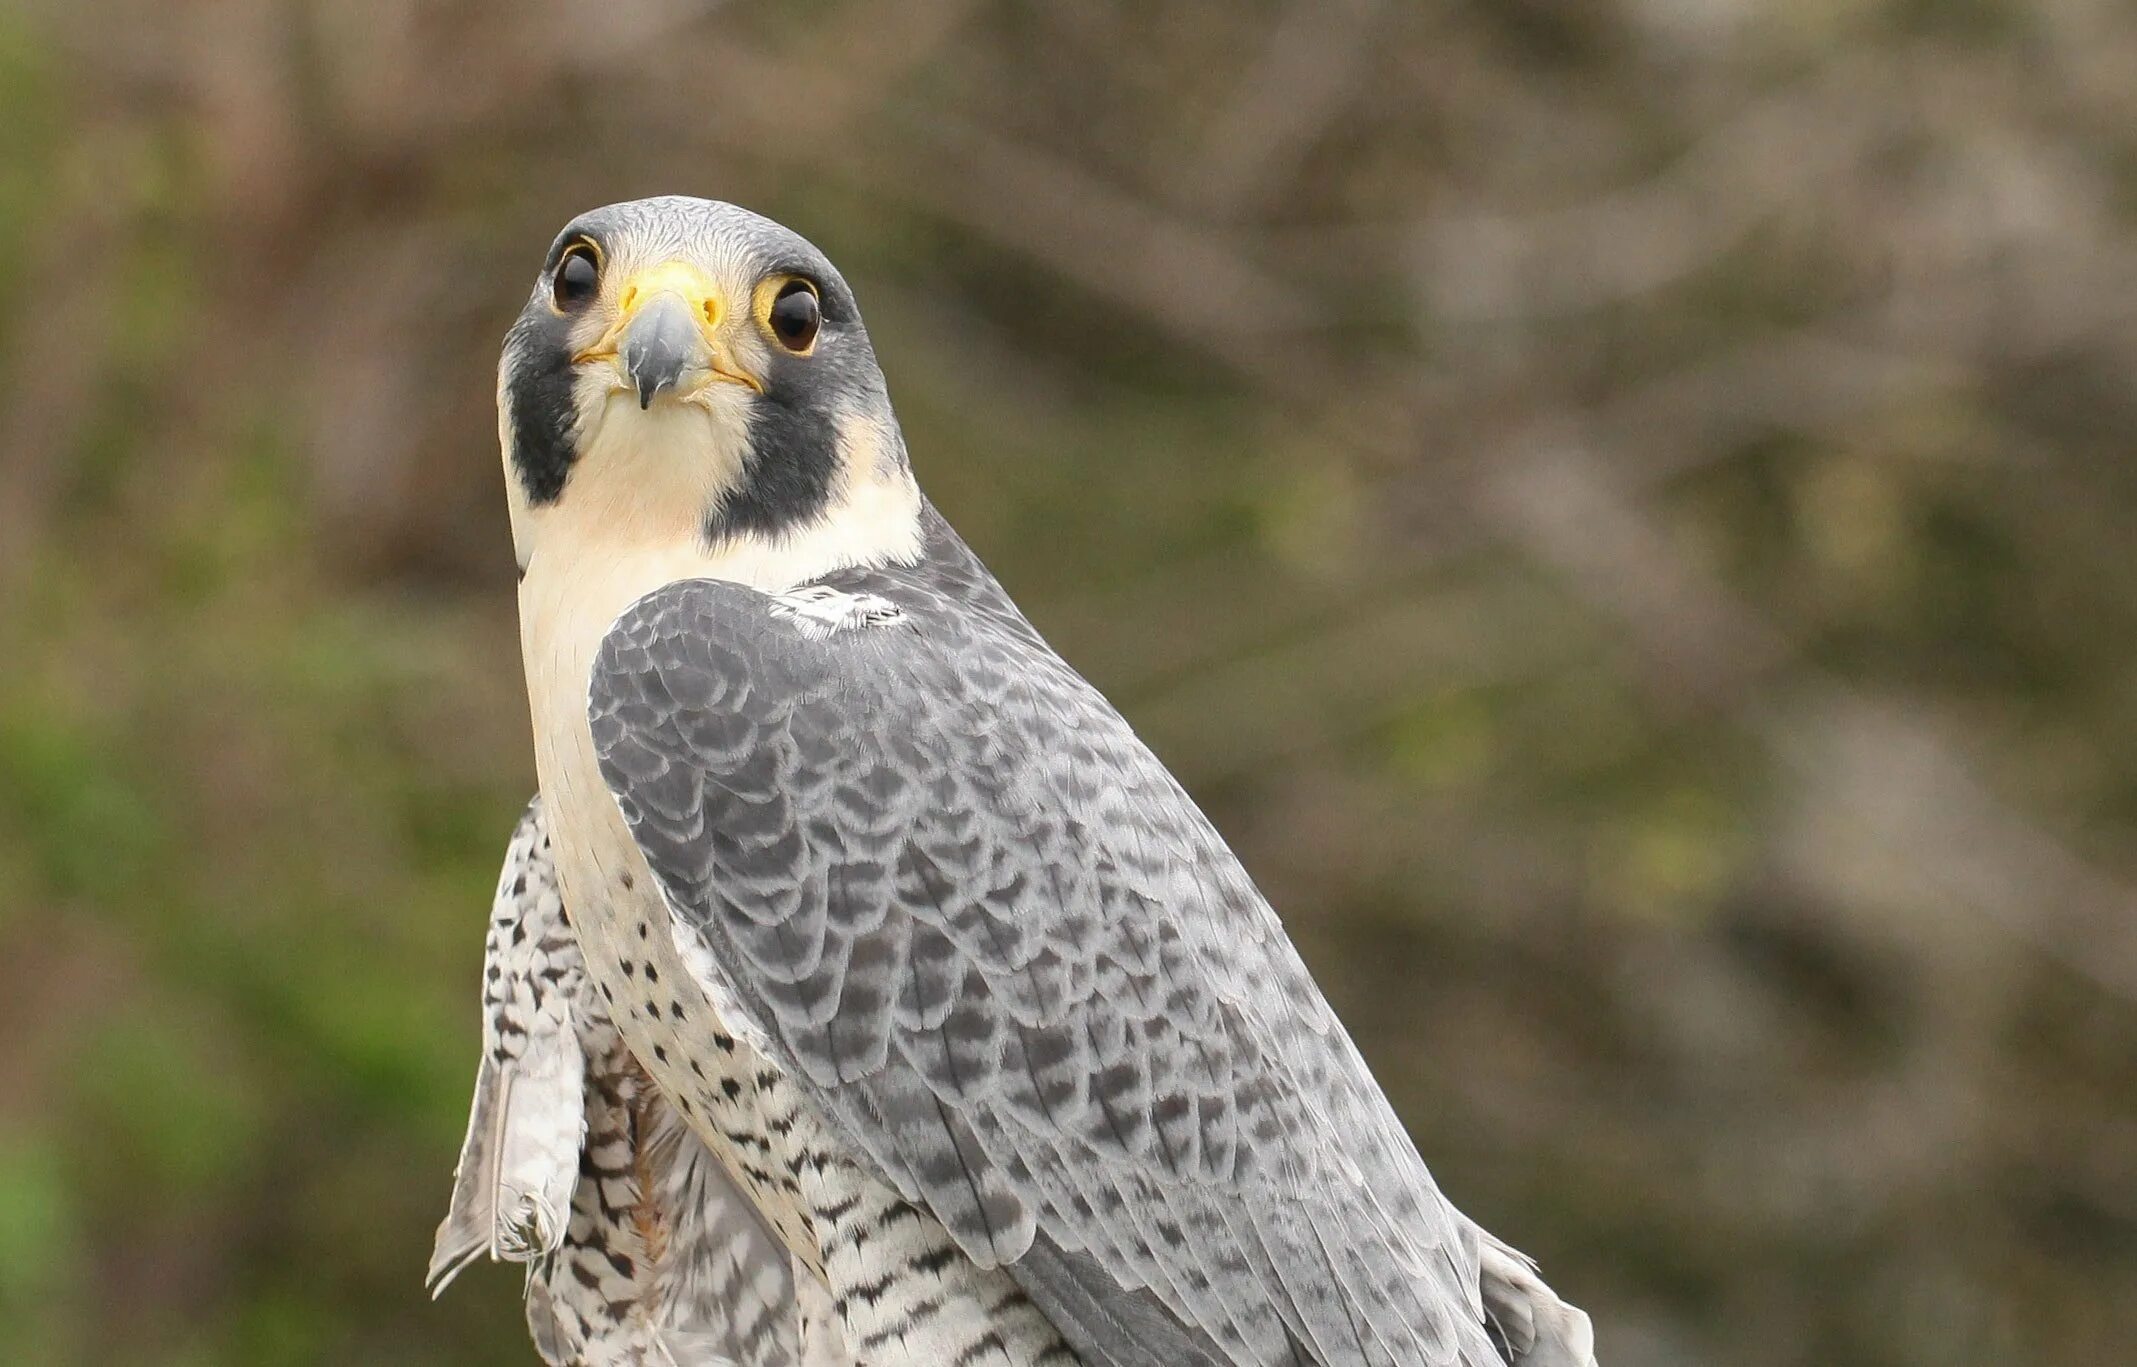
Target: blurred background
[{"x": 1622, "y": 510}]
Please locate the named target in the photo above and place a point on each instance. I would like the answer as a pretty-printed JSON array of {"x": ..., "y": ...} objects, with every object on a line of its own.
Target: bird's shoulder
[{"x": 871, "y": 643}]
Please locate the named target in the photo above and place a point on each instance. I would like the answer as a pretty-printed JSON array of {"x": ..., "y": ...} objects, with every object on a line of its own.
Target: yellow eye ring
[
  {"x": 793, "y": 313},
  {"x": 576, "y": 280}
]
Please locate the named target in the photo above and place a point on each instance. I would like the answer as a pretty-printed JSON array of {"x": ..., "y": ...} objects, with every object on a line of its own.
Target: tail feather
[{"x": 1530, "y": 1325}]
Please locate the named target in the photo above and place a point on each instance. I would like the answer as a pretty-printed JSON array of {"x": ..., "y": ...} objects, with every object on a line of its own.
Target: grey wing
[
  {"x": 981, "y": 924},
  {"x": 641, "y": 1249}
]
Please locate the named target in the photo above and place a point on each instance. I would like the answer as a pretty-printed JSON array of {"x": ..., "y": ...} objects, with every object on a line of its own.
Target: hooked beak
[
  {"x": 663, "y": 336},
  {"x": 662, "y": 345}
]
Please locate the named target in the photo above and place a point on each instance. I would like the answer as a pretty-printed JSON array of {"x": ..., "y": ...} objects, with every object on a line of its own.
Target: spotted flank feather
[{"x": 640, "y": 1251}]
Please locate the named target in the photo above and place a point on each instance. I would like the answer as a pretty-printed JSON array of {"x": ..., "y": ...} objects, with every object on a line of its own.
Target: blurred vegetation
[{"x": 1622, "y": 511}]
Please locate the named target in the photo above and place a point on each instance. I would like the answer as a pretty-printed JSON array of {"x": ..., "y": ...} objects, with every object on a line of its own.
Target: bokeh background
[{"x": 1623, "y": 511}]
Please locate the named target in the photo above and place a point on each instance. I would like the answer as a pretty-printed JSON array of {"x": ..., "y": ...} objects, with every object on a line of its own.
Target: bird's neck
[{"x": 632, "y": 518}]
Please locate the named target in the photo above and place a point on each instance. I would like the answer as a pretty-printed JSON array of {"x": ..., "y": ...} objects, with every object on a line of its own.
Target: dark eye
[
  {"x": 577, "y": 279},
  {"x": 796, "y": 316}
]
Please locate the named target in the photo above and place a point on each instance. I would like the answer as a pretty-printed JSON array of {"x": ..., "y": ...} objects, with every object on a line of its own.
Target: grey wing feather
[
  {"x": 642, "y": 1252},
  {"x": 984, "y": 928}
]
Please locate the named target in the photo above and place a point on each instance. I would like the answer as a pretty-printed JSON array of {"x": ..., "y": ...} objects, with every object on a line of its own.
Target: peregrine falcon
[{"x": 971, "y": 1010}]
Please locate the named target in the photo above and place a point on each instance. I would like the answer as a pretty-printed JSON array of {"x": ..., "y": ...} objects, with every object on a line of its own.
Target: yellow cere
[{"x": 671, "y": 277}]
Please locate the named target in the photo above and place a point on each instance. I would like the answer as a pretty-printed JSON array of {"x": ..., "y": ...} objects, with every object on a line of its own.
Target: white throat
[{"x": 633, "y": 513}]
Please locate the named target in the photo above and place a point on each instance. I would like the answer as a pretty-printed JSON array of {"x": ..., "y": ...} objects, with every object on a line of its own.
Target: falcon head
[{"x": 687, "y": 369}]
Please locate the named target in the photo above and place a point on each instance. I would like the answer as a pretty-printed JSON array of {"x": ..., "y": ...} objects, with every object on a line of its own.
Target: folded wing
[{"x": 977, "y": 920}]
